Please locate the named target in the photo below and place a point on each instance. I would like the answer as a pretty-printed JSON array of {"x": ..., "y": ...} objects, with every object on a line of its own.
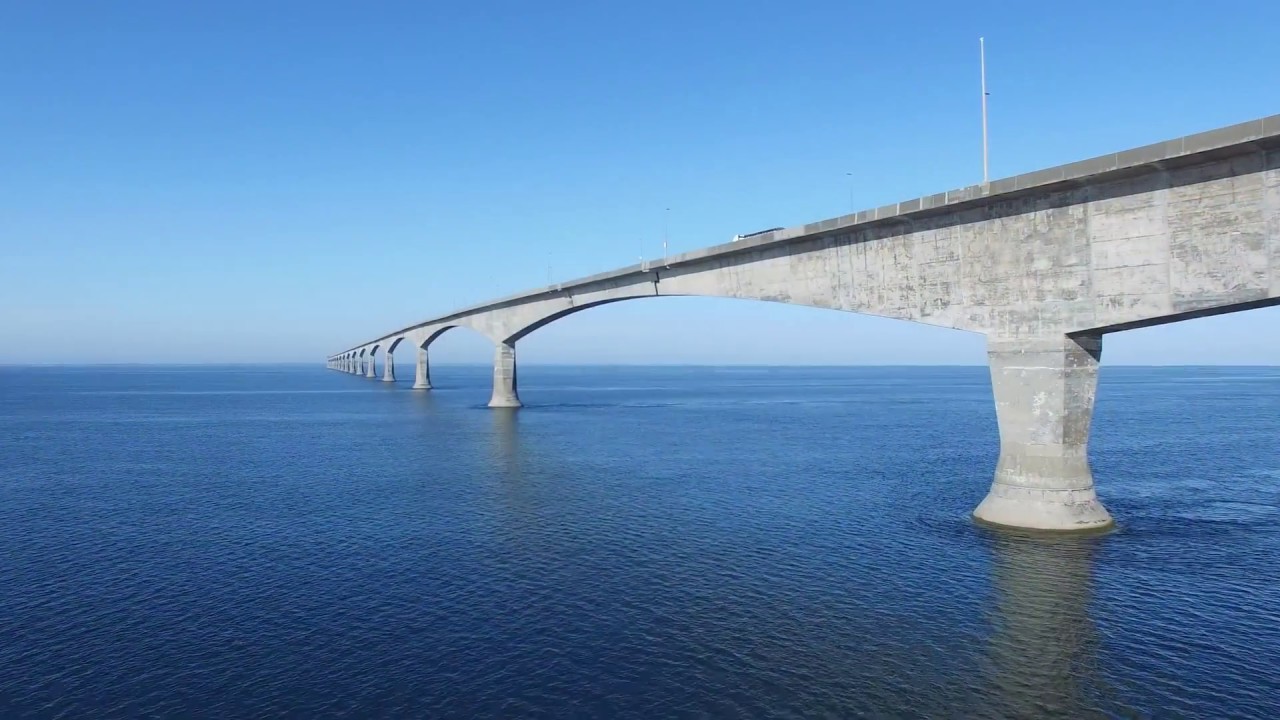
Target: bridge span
[{"x": 1044, "y": 264}]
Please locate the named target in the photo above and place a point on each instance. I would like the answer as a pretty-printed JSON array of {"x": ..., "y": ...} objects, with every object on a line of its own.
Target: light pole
[
  {"x": 851, "y": 207},
  {"x": 666, "y": 220}
]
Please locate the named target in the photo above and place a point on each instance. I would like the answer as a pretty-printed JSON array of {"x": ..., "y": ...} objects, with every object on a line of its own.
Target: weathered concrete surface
[
  {"x": 388, "y": 368},
  {"x": 422, "y": 376},
  {"x": 504, "y": 377},
  {"x": 1044, "y": 390},
  {"x": 1157, "y": 234}
]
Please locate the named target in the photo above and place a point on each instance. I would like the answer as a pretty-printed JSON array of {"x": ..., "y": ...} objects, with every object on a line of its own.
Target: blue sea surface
[{"x": 238, "y": 542}]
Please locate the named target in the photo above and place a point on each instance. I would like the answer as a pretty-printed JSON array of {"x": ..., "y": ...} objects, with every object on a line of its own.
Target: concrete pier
[
  {"x": 504, "y": 377},
  {"x": 1044, "y": 390},
  {"x": 422, "y": 377},
  {"x": 370, "y": 370},
  {"x": 388, "y": 369}
]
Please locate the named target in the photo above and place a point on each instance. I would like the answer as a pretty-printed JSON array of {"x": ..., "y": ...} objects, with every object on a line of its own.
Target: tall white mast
[{"x": 982, "y": 60}]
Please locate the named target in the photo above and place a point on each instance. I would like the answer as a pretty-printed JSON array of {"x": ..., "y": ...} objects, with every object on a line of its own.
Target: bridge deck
[{"x": 1191, "y": 149}]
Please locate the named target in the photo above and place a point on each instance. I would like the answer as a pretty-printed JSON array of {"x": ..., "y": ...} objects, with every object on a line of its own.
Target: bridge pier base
[
  {"x": 369, "y": 369},
  {"x": 422, "y": 377},
  {"x": 1044, "y": 391},
  {"x": 504, "y": 377},
  {"x": 388, "y": 369}
]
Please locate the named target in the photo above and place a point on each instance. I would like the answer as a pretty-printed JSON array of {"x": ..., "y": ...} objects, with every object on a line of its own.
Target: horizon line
[{"x": 296, "y": 363}]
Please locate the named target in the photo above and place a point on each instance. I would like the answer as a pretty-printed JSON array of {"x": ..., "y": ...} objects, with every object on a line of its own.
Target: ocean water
[{"x": 230, "y": 542}]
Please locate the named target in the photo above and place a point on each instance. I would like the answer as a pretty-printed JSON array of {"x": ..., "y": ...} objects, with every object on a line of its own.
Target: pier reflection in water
[
  {"x": 1042, "y": 657},
  {"x": 504, "y": 441}
]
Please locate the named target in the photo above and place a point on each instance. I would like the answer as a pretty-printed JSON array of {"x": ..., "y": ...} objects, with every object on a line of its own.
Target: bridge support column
[
  {"x": 1044, "y": 392},
  {"x": 422, "y": 378},
  {"x": 370, "y": 371},
  {"x": 388, "y": 368},
  {"x": 504, "y": 377}
]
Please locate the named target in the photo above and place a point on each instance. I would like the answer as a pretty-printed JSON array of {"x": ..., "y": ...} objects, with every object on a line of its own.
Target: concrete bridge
[{"x": 1044, "y": 264}]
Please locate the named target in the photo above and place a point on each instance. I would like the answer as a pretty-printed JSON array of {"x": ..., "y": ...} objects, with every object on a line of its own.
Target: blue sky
[{"x": 261, "y": 182}]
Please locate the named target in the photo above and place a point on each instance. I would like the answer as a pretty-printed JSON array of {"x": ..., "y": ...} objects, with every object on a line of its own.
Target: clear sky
[{"x": 274, "y": 181}]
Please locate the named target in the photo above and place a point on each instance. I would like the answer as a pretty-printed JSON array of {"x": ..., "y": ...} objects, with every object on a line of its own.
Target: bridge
[{"x": 1044, "y": 264}]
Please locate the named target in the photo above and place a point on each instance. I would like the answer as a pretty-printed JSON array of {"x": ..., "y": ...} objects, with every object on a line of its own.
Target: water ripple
[{"x": 688, "y": 543}]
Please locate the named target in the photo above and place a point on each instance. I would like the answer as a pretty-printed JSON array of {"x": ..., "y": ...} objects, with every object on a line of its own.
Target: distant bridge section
[{"x": 1043, "y": 264}]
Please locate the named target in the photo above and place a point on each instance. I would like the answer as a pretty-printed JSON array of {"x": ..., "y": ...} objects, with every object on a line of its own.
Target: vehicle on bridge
[{"x": 736, "y": 238}]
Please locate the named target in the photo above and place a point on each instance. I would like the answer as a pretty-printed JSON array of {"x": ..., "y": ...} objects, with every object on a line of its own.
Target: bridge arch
[
  {"x": 528, "y": 323},
  {"x": 421, "y": 339},
  {"x": 563, "y": 313}
]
